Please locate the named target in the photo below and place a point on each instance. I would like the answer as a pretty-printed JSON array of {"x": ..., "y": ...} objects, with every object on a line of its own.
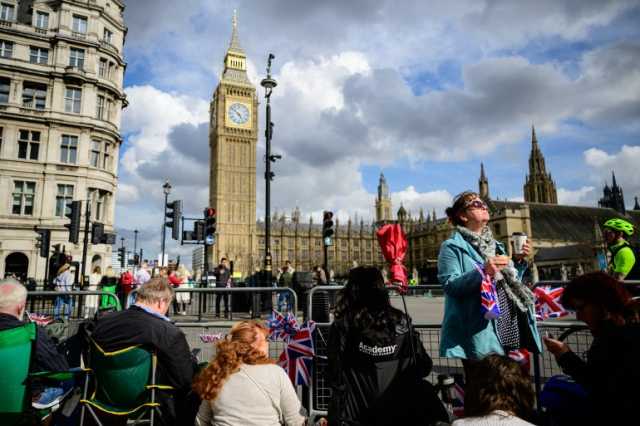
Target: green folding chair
[
  {"x": 125, "y": 385},
  {"x": 16, "y": 345}
]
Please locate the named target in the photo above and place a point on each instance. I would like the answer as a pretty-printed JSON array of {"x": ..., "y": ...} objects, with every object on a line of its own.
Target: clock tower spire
[{"x": 233, "y": 137}]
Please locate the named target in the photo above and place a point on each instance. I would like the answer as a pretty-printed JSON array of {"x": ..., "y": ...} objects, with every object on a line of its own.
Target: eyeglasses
[{"x": 475, "y": 204}]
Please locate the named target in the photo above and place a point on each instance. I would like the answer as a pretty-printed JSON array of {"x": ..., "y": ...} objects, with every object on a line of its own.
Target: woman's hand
[
  {"x": 556, "y": 347},
  {"x": 526, "y": 250},
  {"x": 495, "y": 264}
]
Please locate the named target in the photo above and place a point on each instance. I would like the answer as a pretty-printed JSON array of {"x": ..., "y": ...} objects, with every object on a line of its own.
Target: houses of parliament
[{"x": 566, "y": 239}]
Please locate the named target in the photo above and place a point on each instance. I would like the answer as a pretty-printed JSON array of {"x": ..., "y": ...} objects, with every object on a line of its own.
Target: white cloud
[
  {"x": 579, "y": 197},
  {"x": 623, "y": 163},
  {"x": 413, "y": 201}
]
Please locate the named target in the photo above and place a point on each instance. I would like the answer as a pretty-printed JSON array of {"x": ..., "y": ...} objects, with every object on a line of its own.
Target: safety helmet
[{"x": 619, "y": 225}]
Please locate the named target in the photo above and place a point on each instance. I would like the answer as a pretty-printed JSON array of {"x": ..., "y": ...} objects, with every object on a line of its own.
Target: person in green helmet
[{"x": 623, "y": 258}]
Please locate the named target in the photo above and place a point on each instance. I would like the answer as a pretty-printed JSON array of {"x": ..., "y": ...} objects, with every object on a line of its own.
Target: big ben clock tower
[{"x": 233, "y": 135}]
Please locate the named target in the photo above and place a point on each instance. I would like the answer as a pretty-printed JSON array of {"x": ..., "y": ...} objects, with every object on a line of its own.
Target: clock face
[{"x": 238, "y": 113}]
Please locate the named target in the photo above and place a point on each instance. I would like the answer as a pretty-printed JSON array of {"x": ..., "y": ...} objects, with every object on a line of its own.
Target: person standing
[
  {"x": 108, "y": 284},
  {"x": 468, "y": 257},
  {"x": 223, "y": 280},
  {"x": 91, "y": 303},
  {"x": 285, "y": 281},
  {"x": 63, "y": 282},
  {"x": 623, "y": 259}
]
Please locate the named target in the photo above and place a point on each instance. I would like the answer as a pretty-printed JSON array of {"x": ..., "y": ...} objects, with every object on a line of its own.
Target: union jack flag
[
  {"x": 522, "y": 357},
  {"x": 282, "y": 327},
  {"x": 297, "y": 357},
  {"x": 488, "y": 298},
  {"x": 40, "y": 319},
  {"x": 548, "y": 302}
]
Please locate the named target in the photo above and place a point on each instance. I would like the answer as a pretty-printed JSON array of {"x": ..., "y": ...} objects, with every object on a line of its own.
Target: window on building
[
  {"x": 496, "y": 228},
  {"x": 76, "y": 58},
  {"x": 5, "y": 88},
  {"x": 63, "y": 197},
  {"x": 102, "y": 68},
  {"x": 28, "y": 144},
  {"x": 79, "y": 24},
  {"x": 108, "y": 36},
  {"x": 100, "y": 107},
  {"x": 1, "y": 130},
  {"x": 41, "y": 20},
  {"x": 96, "y": 151},
  {"x": 38, "y": 55},
  {"x": 68, "y": 149},
  {"x": 72, "y": 99},
  {"x": 7, "y": 12},
  {"x": 23, "y": 195},
  {"x": 111, "y": 70},
  {"x": 34, "y": 95},
  {"x": 6, "y": 49},
  {"x": 98, "y": 200},
  {"x": 106, "y": 161}
]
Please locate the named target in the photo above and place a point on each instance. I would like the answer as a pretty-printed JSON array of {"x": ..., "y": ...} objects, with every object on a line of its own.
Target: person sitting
[
  {"x": 243, "y": 387},
  {"x": 145, "y": 323},
  {"x": 45, "y": 355},
  {"x": 500, "y": 393},
  {"x": 376, "y": 359},
  {"x": 611, "y": 373}
]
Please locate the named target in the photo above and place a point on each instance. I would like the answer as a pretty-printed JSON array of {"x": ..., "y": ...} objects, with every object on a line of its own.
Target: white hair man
[{"x": 45, "y": 357}]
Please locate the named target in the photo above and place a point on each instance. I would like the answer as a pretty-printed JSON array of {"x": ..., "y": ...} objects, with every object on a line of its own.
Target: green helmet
[{"x": 619, "y": 225}]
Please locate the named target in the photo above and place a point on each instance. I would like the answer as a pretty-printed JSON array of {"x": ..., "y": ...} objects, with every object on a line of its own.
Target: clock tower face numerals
[{"x": 238, "y": 113}]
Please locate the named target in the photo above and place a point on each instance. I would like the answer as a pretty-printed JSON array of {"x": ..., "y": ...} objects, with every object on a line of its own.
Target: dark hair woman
[
  {"x": 611, "y": 372},
  {"x": 499, "y": 393},
  {"x": 465, "y": 259},
  {"x": 242, "y": 386},
  {"x": 376, "y": 360}
]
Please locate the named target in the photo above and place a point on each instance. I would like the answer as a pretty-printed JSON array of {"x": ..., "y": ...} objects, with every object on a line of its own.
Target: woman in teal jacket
[{"x": 470, "y": 252}]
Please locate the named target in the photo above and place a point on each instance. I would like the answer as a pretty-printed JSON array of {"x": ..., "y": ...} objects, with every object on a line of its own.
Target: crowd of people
[{"x": 377, "y": 364}]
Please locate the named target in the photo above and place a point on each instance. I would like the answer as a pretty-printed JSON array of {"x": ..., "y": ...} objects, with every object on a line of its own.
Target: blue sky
[{"x": 421, "y": 90}]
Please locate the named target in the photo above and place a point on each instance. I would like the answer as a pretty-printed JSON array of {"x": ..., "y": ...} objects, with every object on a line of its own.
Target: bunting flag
[
  {"x": 40, "y": 319},
  {"x": 298, "y": 353},
  {"x": 548, "y": 303},
  {"x": 488, "y": 297}
]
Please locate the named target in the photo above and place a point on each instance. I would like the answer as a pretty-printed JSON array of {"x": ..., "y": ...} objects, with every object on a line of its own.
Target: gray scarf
[{"x": 485, "y": 244}]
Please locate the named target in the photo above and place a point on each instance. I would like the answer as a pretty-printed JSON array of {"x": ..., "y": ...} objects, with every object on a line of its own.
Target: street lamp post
[
  {"x": 268, "y": 83},
  {"x": 135, "y": 247},
  {"x": 166, "y": 188}
]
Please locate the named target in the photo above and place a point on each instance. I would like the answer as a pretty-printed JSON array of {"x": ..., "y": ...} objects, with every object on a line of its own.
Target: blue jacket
[{"x": 465, "y": 331}]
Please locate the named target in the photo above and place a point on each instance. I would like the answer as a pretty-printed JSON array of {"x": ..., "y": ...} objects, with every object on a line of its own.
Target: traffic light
[
  {"x": 136, "y": 259},
  {"x": 97, "y": 233},
  {"x": 42, "y": 241},
  {"x": 327, "y": 227},
  {"x": 210, "y": 222},
  {"x": 174, "y": 212},
  {"x": 74, "y": 224},
  {"x": 121, "y": 256},
  {"x": 198, "y": 230}
]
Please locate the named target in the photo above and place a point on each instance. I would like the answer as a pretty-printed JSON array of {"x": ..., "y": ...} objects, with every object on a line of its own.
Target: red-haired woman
[
  {"x": 612, "y": 371},
  {"x": 242, "y": 386}
]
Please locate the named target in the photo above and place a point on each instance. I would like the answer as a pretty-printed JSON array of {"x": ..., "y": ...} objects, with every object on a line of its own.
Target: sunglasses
[{"x": 475, "y": 204}]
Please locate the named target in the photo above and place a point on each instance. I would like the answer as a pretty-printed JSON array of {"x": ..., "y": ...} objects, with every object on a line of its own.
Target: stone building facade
[
  {"x": 539, "y": 187},
  {"x": 61, "y": 96}
]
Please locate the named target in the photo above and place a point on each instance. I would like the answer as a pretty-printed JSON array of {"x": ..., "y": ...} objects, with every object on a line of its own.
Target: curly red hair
[{"x": 236, "y": 349}]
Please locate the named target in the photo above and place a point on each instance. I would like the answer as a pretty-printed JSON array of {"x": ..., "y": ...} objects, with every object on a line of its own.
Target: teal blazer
[{"x": 465, "y": 332}]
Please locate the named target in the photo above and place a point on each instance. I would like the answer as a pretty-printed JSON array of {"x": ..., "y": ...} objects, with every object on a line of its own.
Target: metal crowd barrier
[
  {"x": 202, "y": 301},
  {"x": 544, "y": 366},
  {"x": 43, "y": 302}
]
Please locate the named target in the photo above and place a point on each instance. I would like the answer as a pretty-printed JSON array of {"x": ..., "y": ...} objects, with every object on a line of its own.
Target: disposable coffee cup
[{"x": 519, "y": 239}]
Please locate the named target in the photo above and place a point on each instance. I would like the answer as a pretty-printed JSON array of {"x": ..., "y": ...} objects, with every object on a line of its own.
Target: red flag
[{"x": 393, "y": 243}]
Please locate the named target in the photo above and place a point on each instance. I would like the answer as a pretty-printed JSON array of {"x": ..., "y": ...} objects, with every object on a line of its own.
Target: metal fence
[{"x": 83, "y": 304}]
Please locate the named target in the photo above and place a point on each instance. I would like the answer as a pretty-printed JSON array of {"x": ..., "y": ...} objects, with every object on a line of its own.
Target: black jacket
[
  {"x": 134, "y": 326},
  {"x": 46, "y": 356},
  {"x": 222, "y": 276},
  {"x": 376, "y": 385},
  {"x": 611, "y": 373}
]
